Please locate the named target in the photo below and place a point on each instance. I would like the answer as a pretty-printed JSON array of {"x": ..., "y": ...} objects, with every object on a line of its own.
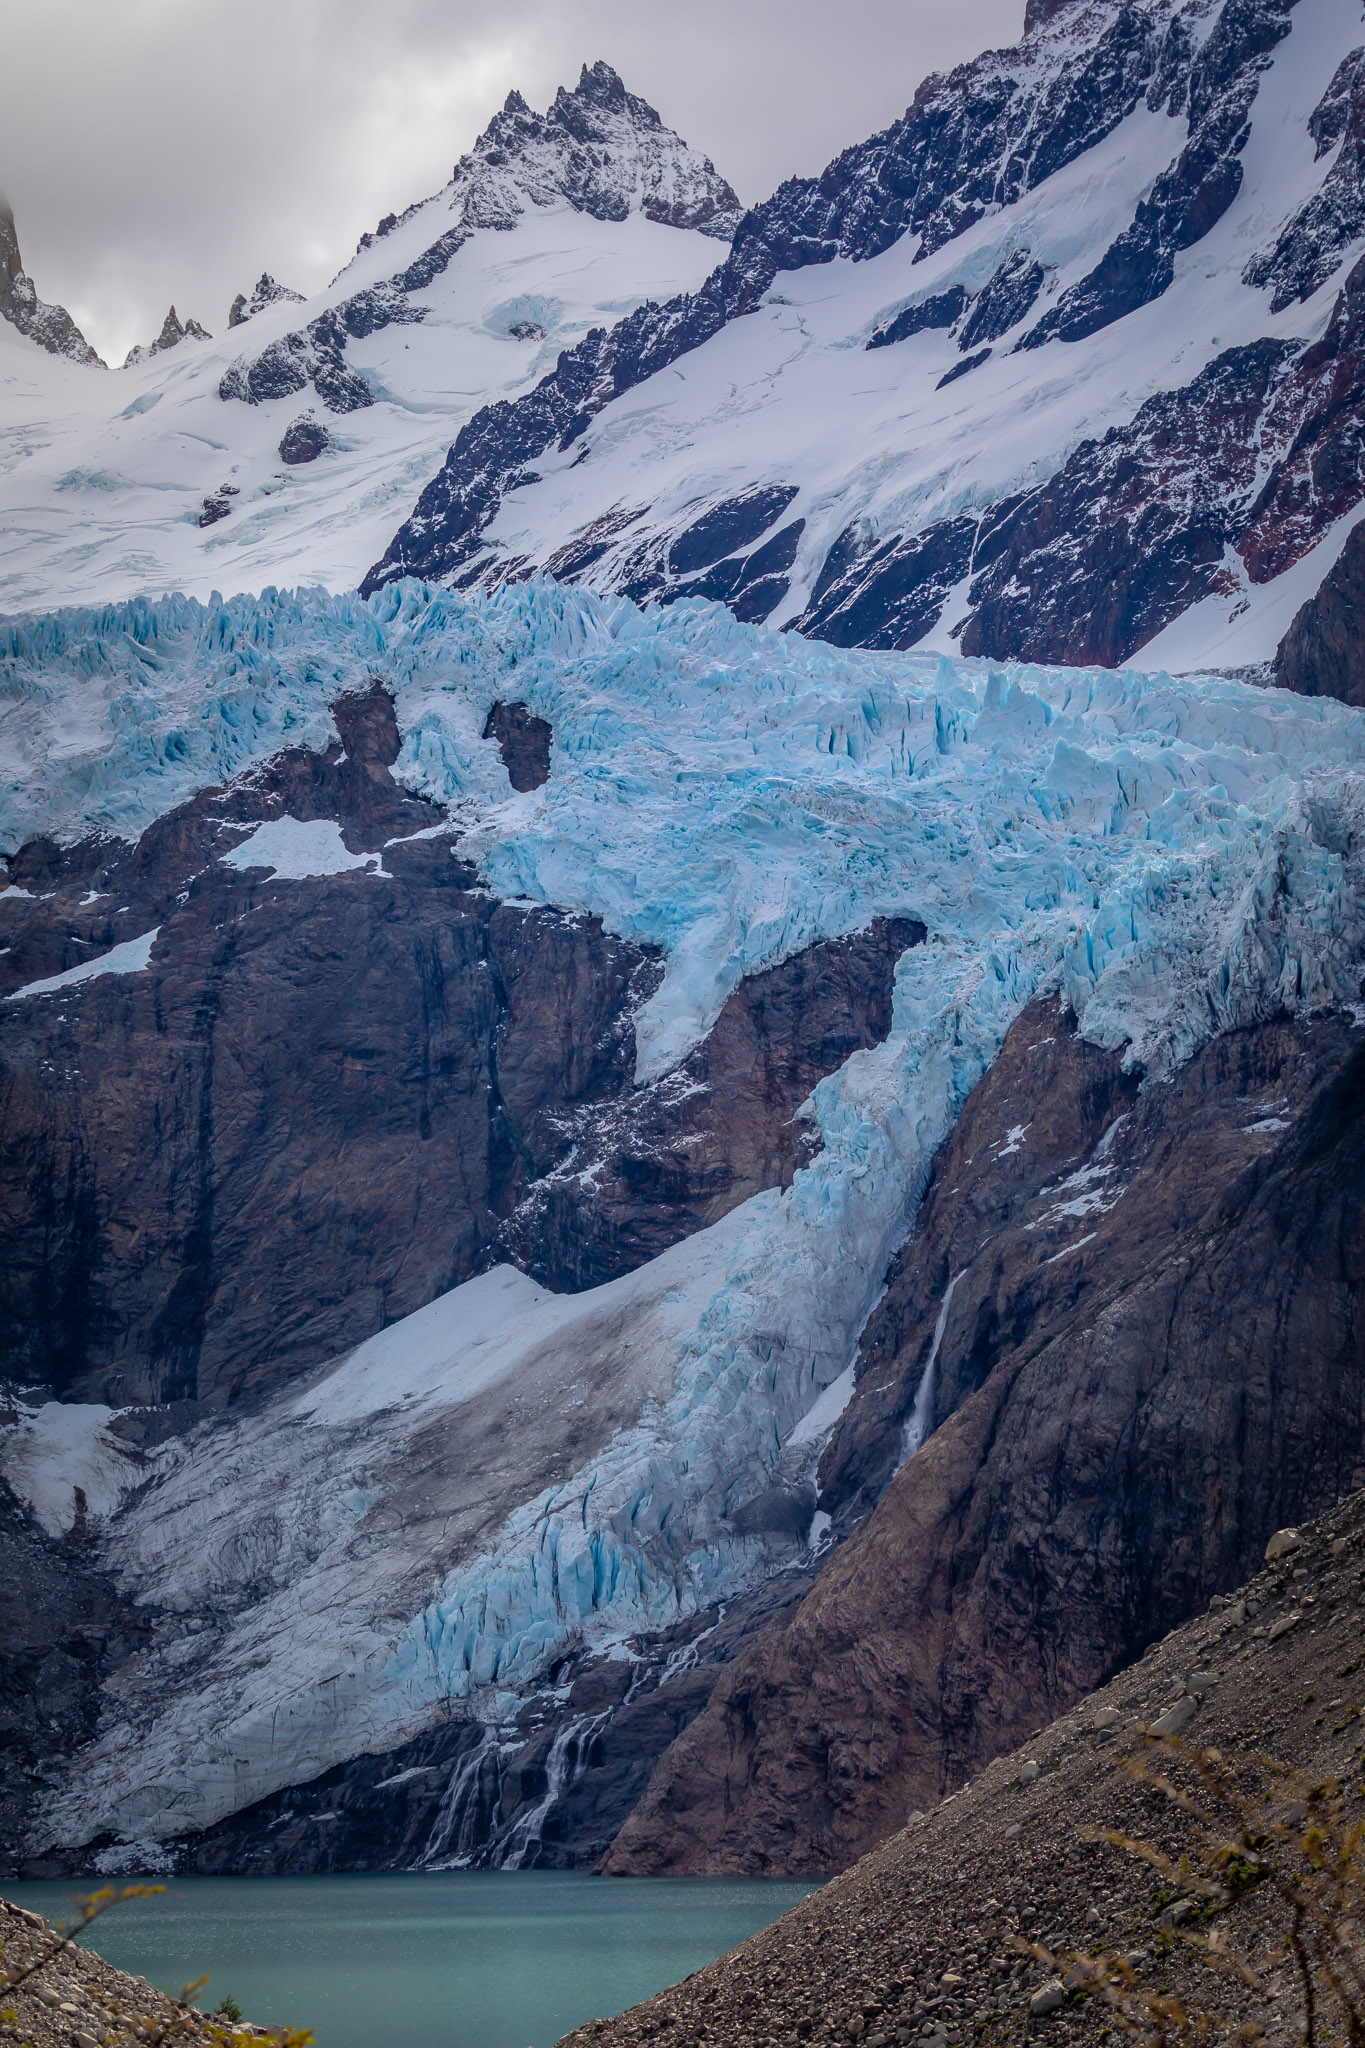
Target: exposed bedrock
[
  {"x": 64, "y": 1629},
  {"x": 673, "y": 1157},
  {"x": 1323, "y": 653},
  {"x": 329, "y": 1099},
  {"x": 1151, "y": 1356},
  {"x": 524, "y": 743}
]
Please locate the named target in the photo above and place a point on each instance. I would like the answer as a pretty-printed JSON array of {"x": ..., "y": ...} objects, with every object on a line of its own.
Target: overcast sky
[{"x": 170, "y": 150}]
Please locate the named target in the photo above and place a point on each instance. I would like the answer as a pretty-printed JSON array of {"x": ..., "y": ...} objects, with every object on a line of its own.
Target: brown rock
[{"x": 1133, "y": 1390}]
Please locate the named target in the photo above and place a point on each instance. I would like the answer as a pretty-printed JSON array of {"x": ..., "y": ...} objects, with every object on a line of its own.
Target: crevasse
[{"x": 1175, "y": 857}]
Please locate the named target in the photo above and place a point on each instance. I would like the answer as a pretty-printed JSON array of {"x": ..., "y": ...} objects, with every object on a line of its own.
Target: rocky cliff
[
  {"x": 1124, "y": 1344},
  {"x": 52, "y": 327},
  {"x": 327, "y": 1102},
  {"x": 1323, "y": 653}
]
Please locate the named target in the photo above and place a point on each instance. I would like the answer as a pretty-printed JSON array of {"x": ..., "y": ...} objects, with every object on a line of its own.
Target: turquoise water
[{"x": 454, "y": 1959}]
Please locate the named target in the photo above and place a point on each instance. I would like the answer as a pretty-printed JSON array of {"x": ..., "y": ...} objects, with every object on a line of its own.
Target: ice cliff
[{"x": 1174, "y": 856}]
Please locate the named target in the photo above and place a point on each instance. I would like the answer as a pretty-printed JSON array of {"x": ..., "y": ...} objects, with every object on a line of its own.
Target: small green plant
[{"x": 227, "y": 2008}]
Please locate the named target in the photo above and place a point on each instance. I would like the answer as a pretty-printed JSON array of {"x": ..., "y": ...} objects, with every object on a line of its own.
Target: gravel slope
[{"x": 919, "y": 1939}]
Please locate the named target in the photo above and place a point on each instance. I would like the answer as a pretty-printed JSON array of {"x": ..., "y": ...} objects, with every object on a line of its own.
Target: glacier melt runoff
[{"x": 1173, "y": 857}]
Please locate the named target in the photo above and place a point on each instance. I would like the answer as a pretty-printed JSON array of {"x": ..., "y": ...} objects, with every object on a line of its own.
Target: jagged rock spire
[
  {"x": 266, "y": 292},
  {"x": 52, "y": 327},
  {"x": 174, "y": 330}
]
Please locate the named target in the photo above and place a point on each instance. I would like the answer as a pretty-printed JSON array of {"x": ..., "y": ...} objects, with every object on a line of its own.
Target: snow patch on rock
[{"x": 130, "y": 957}]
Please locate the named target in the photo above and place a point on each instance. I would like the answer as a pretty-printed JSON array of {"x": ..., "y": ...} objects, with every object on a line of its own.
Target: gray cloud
[{"x": 169, "y": 150}]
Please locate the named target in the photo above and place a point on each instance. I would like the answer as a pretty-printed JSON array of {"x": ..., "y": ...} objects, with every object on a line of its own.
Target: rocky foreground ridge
[{"x": 930, "y": 1937}]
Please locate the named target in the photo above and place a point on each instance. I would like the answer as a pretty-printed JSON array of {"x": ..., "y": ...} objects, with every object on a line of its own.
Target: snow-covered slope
[
  {"x": 1030, "y": 372},
  {"x": 170, "y": 473},
  {"x": 1175, "y": 858}
]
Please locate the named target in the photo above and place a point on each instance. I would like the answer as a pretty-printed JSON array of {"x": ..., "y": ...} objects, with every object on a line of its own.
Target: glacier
[{"x": 1172, "y": 857}]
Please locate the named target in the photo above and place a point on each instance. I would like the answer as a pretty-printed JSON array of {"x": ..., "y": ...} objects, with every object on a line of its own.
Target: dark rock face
[
  {"x": 449, "y": 1052},
  {"x": 1003, "y": 302},
  {"x": 750, "y": 584},
  {"x": 63, "y": 1631},
  {"x": 1316, "y": 418},
  {"x": 174, "y": 330},
  {"x": 1150, "y": 1358},
  {"x": 1323, "y": 653},
  {"x": 676, "y": 1156},
  {"x": 1132, "y": 529},
  {"x": 1315, "y": 240},
  {"x": 524, "y": 743},
  {"x": 265, "y": 292},
  {"x": 736, "y": 523},
  {"x": 963, "y": 369},
  {"x": 887, "y": 595},
  {"x": 52, "y": 327},
  {"x": 217, "y": 505},
  {"x": 304, "y": 439},
  {"x": 942, "y": 310}
]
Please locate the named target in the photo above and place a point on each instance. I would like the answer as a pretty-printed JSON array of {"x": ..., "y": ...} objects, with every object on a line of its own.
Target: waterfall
[
  {"x": 453, "y": 1838},
  {"x": 917, "y": 1427},
  {"x": 568, "y": 1753}
]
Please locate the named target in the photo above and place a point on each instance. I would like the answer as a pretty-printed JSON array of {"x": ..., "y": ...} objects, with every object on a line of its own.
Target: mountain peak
[
  {"x": 601, "y": 83},
  {"x": 265, "y": 292},
  {"x": 174, "y": 330},
  {"x": 600, "y": 148},
  {"x": 52, "y": 327}
]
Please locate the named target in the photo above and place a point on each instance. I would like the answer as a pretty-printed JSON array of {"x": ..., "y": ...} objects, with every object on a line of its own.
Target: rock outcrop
[
  {"x": 476, "y": 1079},
  {"x": 265, "y": 292},
  {"x": 64, "y": 1630},
  {"x": 52, "y": 327},
  {"x": 174, "y": 330},
  {"x": 600, "y": 149},
  {"x": 1323, "y": 653},
  {"x": 1128, "y": 1327}
]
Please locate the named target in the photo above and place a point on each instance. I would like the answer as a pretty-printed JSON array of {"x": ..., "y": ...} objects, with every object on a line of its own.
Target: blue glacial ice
[{"x": 1173, "y": 857}]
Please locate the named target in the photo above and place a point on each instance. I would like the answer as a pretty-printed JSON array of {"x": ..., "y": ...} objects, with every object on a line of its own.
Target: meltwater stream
[{"x": 458, "y": 1959}]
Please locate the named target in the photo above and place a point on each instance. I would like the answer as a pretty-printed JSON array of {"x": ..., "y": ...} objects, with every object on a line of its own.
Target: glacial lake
[{"x": 451, "y": 1959}]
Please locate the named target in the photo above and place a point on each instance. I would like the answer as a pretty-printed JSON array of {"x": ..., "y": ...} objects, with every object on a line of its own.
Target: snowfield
[
  {"x": 104, "y": 475},
  {"x": 1172, "y": 857}
]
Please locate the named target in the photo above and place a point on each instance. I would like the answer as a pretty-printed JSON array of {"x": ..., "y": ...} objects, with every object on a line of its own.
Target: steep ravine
[{"x": 1152, "y": 1355}]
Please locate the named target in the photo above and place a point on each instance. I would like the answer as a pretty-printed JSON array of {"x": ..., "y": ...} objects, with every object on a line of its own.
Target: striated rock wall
[
  {"x": 1152, "y": 1355},
  {"x": 330, "y": 1098}
]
